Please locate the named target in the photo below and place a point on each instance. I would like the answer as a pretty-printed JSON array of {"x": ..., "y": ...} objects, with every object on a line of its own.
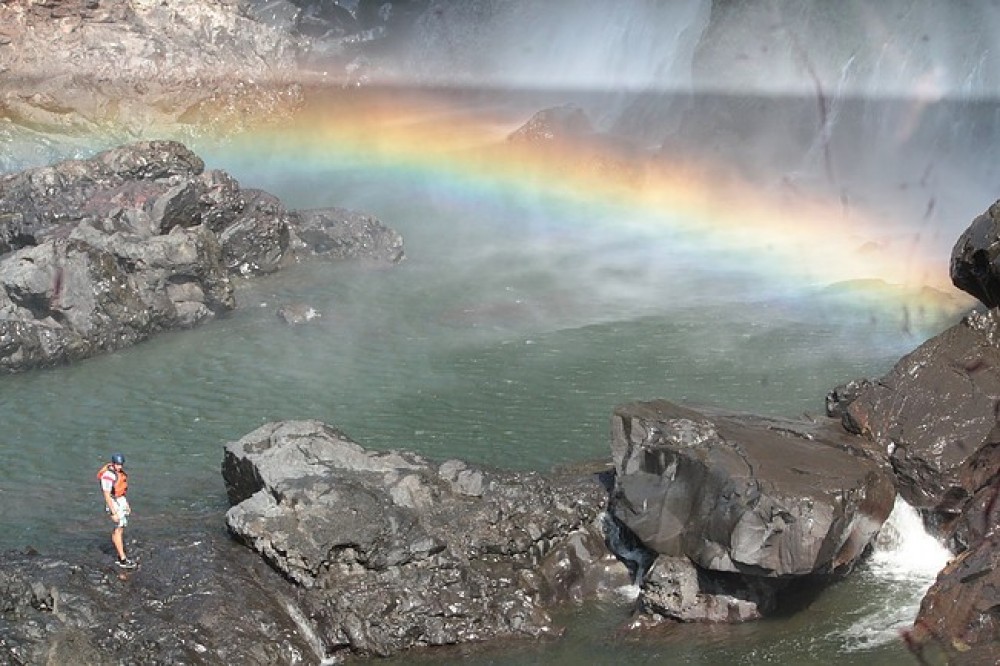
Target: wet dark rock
[
  {"x": 338, "y": 233},
  {"x": 399, "y": 552},
  {"x": 197, "y": 597},
  {"x": 840, "y": 397},
  {"x": 98, "y": 254},
  {"x": 746, "y": 494},
  {"x": 257, "y": 241},
  {"x": 975, "y": 258},
  {"x": 675, "y": 588},
  {"x": 959, "y": 617},
  {"x": 934, "y": 414}
]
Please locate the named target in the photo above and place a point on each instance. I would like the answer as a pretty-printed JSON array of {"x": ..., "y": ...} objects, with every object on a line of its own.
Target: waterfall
[
  {"x": 904, "y": 564},
  {"x": 905, "y": 550},
  {"x": 895, "y": 48}
]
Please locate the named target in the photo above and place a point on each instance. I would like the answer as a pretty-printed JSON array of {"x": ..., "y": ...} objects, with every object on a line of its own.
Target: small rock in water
[{"x": 297, "y": 313}]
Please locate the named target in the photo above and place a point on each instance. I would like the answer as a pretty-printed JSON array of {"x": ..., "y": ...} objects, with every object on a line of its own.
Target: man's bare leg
[{"x": 116, "y": 538}]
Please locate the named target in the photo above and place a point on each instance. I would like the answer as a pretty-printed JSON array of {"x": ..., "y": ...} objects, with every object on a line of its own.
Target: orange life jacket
[{"x": 120, "y": 486}]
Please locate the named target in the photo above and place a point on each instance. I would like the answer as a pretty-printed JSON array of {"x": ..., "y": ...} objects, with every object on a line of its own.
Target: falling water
[{"x": 906, "y": 560}]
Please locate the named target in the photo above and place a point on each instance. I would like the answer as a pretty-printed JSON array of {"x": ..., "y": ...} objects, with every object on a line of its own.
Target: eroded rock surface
[
  {"x": 196, "y": 598},
  {"x": 960, "y": 615},
  {"x": 401, "y": 552},
  {"x": 934, "y": 416},
  {"x": 98, "y": 254}
]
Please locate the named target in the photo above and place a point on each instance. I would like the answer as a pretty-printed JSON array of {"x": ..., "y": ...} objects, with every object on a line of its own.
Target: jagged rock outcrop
[
  {"x": 98, "y": 254},
  {"x": 959, "y": 617},
  {"x": 738, "y": 494},
  {"x": 338, "y": 233},
  {"x": 975, "y": 258},
  {"x": 934, "y": 416},
  {"x": 401, "y": 552}
]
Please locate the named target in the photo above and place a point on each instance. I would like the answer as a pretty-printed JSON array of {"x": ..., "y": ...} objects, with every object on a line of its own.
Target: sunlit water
[{"x": 506, "y": 338}]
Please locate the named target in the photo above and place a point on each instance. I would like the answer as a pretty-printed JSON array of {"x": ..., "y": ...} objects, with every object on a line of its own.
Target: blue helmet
[{"x": 117, "y": 458}]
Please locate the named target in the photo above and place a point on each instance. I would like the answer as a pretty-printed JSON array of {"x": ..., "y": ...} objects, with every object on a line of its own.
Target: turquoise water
[{"x": 506, "y": 338}]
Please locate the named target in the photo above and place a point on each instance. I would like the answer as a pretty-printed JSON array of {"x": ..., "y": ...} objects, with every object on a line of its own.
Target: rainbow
[{"x": 811, "y": 241}]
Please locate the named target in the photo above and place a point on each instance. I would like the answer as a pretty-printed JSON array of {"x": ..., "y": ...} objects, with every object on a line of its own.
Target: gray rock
[
  {"x": 144, "y": 67},
  {"x": 558, "y": 123},
  {"x": 99, "y": 254},
  {"x": 735, "y": 493},
  {"x": 338, "y": 233},
  {"x": 398, "y": 552},
  {"x": 297, "y": 313},
  {"x": 77, "y": 607},
  {"x": 256, "y": 241},
  {"x": 675, "y": 589}
]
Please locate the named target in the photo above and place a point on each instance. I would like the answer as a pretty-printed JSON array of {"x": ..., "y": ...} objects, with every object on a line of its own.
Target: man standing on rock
[{"x": 114, "y": 485}]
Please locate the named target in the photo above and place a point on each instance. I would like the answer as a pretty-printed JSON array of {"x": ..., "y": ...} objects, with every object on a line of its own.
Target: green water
[{"x": 506, "y": 338}]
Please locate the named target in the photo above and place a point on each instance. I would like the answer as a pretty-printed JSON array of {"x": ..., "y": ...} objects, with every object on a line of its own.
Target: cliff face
[{"x": 82, "y": 66}]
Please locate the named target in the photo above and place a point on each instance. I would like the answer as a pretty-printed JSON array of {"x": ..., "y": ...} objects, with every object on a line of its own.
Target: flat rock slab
[
  {"x": 197, "y": 597},
  {"x": 747, "y": 494}
]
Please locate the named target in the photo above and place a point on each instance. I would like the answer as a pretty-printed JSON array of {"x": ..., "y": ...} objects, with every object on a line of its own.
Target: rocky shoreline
[{"x": 102, "y": 253}]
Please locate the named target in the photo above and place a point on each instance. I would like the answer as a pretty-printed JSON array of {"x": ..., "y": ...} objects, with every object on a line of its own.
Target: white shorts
[{"x": 122, "y": 509}]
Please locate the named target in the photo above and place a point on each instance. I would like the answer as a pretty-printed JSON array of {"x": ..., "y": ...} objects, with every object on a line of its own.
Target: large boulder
[
  {"x": 746, "y": 494},
  {"x": 98, "y": 254},
  {"x": 737, "y": 507},
  {"x": 398, "y": 552},
  {"x": 975, "y": 258},
  {"x": 934, "y": 414}
]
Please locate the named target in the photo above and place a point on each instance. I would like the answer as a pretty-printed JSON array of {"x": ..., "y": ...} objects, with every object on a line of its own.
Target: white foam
[
  {"x": 905, "y": 562},
  {"x": 905, "y": 550}
]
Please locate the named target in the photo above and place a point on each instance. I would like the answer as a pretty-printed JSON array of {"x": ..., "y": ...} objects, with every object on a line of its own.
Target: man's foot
[{"x": 127, "y": 564}]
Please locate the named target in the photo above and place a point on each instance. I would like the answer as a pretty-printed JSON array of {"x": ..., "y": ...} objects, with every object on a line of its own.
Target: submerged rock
[
  {"x": 398, "y": 552},
  {"x": 297, "y": 313}
]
